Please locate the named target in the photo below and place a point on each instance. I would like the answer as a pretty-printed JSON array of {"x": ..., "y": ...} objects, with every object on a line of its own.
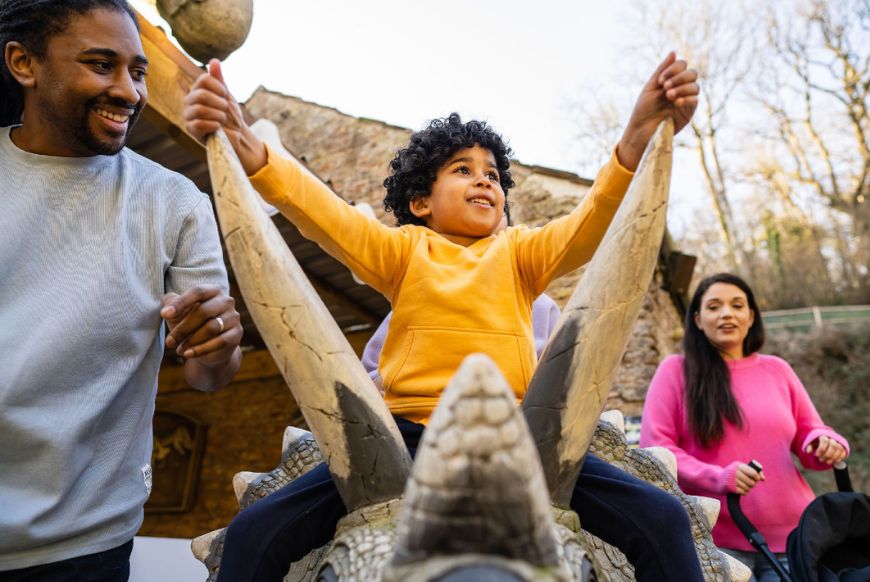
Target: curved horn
[
  {"x": 365, "y": 452},
  {"x": 567, "y": 392},
  {"x": 477, "y": 486}
]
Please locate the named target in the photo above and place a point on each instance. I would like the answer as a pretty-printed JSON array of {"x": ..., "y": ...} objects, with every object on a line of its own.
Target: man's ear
[
  {"x": 20, "y": 63},
  {"x": 419, "y": 207}
]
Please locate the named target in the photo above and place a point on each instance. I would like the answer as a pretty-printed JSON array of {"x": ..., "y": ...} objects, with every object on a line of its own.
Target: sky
[{"x": 515, "y": 63}]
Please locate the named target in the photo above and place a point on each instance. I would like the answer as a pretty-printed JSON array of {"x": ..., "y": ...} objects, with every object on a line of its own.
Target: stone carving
[
  {"x": 179, "y": 441},
  {"x": 478, "y": 445},
  {"x": 208, "y": 29}
]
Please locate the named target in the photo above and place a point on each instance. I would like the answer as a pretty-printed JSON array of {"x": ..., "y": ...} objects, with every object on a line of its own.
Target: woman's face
[{"x": 725, "y": 318}]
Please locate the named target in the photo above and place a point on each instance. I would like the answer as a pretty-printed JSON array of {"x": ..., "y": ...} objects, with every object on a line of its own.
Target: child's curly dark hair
[{"x": 413, "y": 170}]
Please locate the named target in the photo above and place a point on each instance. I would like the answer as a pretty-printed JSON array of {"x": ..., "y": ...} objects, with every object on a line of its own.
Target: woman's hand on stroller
[
  {"x": 827, "y": 450},
  {"x": 748, "y": 475}
]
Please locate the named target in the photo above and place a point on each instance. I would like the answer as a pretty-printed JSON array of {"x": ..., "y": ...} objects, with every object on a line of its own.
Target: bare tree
[
  {"x": 599, "y": 122},
  {"x": 816, "y": 96},
  {"x": 788, "y": 229},
  {"x": 781, "y": 137},
  {"x": 707, "y": 35}
]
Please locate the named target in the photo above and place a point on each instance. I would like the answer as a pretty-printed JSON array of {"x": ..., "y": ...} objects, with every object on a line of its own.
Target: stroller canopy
[{"x": 832, "y": 541}]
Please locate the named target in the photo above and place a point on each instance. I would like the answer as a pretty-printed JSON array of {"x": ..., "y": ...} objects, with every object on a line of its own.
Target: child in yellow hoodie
[{"x": 457, "y": 286}]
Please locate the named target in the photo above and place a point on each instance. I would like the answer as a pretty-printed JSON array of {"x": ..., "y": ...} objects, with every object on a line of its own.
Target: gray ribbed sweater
[{"x": 88, "y": 246}]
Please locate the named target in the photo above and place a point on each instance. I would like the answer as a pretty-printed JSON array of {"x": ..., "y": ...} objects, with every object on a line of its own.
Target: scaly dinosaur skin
[{"x": 365, "y": 540}]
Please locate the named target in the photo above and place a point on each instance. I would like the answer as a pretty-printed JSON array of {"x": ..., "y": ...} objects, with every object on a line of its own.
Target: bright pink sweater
[{"x": 778, "y": 419}]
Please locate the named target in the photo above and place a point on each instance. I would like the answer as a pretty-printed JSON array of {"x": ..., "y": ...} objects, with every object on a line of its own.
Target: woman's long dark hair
[{"x": 708, "y": 381}]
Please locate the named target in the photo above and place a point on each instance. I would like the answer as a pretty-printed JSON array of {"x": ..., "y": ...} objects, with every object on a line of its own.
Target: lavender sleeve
[
  {"x": 545, "y": 316},
  {"x": 372, "y": 352}
]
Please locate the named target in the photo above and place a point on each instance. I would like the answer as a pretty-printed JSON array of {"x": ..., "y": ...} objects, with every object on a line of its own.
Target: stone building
[{"x": 202, "y": 439}]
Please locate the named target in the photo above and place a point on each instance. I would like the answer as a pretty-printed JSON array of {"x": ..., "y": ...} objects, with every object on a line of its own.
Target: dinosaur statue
[{"x": 487, "y": 497}]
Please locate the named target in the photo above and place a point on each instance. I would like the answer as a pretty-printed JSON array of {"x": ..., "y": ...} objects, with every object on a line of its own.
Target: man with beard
[{"x": 99, "y": 247}]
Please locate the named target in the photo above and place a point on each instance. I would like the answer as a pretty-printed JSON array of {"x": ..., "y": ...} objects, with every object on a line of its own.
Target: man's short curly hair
[{"x": 413, "y": 170}]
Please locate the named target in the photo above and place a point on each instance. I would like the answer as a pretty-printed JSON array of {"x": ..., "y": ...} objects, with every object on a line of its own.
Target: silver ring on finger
[{"x": 221, "y": 324}]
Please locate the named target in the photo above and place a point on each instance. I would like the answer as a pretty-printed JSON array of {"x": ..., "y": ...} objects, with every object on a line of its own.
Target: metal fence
[{"x": 808, "y": 318}]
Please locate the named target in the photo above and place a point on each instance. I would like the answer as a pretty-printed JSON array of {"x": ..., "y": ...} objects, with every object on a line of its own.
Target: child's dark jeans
[{"x": 650, "y": 526}]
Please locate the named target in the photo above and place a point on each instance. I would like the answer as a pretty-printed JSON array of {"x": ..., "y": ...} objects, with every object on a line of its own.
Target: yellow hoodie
[{"x": 448, "y": 300}]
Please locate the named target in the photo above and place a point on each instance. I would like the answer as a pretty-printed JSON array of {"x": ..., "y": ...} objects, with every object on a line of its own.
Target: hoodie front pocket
[{"x": 430, "y": 357}]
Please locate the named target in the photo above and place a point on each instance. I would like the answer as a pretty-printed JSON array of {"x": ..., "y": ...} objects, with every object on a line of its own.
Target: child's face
[{"x": 467, "y": 201}]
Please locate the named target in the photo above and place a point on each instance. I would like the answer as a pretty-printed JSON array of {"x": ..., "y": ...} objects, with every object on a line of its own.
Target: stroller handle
[
  {"x": 841, "y": 476},
  {"x": 844, "y": 485},
  {"x": 753, "y": 535}
]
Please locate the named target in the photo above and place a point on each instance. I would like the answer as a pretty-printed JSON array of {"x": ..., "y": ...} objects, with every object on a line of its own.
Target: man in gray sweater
[{"x": 98, "y": 248}]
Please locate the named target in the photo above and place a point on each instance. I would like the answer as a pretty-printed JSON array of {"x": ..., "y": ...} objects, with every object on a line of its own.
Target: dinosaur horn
[
  {"x": 569, "y": 387},
  {"x": 476, "y": 486},
  {"x": 356, "y": 433}
]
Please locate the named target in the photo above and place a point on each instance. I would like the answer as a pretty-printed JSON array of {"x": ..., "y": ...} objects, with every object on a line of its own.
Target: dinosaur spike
[
  {"x": 569, "y": 387},
  {"x": 710, "y": 508},
  {"x": 477, "y": 485},
  {"x": 615, "y": 418},
  {"x": 737, "y": 570},
  {"x": 665, "y": 457},
  {"x": 292, "y": 435},
  {"x": 203, "y": 546},
  {"x": 243, "y": 480},
  {"x": 367, "y": 457}
]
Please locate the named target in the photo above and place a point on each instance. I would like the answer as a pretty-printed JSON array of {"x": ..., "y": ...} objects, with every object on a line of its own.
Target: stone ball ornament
[{"x": 208, "y": 29}]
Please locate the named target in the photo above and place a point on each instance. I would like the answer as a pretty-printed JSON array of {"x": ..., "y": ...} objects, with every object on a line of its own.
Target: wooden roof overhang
[{"x": 160, "y": 136}]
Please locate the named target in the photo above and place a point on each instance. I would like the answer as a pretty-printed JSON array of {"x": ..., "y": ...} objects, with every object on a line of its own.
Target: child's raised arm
[
  {"x": 373, "y": 251},
  {"x": 672, "y": 91},
  {"x": 570, "y": 241}
]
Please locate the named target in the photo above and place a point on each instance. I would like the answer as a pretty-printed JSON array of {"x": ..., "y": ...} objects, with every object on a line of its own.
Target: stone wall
[{"x": 657, "y": 334}]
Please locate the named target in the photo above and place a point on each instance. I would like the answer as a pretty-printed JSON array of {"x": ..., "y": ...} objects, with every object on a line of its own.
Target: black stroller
[{"x": 831, "y": 542}]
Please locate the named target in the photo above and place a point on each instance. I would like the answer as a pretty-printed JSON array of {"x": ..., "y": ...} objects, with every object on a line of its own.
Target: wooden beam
[
  {"x": 170, "y": 76},
  {"x": 359, "y": 339},
  {"x": 256, "y": 365}
]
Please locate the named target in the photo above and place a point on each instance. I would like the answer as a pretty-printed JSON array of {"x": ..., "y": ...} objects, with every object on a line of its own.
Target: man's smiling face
[{"x": 90, "y": 86}]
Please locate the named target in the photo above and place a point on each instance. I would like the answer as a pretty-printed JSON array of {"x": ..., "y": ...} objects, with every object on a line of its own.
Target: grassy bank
[{"x": 834, "y": 365}]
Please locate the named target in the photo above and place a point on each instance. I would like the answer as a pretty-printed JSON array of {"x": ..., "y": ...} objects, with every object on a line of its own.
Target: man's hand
[
  {"x": 203, "y": 325},
  {"x": 672, "y": 91},
  {"x": 209, "y": 106}
]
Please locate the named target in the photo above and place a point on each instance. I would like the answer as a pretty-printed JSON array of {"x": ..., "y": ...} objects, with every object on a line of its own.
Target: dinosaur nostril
[
  {"x": 327, "y": 574},
  {"x": 482, "y": 573}
]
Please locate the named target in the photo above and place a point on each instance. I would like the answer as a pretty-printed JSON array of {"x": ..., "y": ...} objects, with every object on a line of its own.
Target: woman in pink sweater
[{"x": 723, "y": 404}]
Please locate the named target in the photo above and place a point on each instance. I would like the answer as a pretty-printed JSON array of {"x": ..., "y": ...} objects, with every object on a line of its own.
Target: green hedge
[{"x": 834, "y": 365}]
